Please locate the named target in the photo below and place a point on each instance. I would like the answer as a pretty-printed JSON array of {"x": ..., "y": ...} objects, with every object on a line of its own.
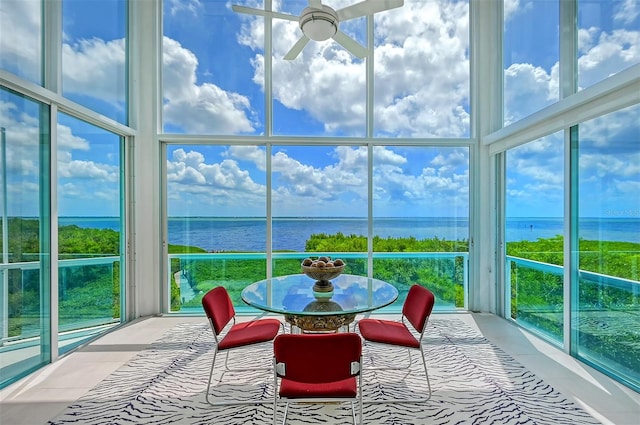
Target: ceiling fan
[{"x": 319, "y": 22}]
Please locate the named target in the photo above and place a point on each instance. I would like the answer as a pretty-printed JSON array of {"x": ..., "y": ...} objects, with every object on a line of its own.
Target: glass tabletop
[{"x": 294, "y": 295}]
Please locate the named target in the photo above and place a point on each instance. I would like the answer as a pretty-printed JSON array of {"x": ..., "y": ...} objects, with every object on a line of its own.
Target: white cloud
[
  {"x": 91, "y": 67},
  {"x": 528, "y": 89},
  {"x": 68, "y": 141},
  {"x": 199, "y": 108},
  {"x": 628, "y": 12},
  {"x": 248, "y": 153},
  {"x": 77, "y": 169},
  {"x": 604, "y": 54},
  {"x": 188, "y": 6},
  {"x": 190, "y": 172},
  {"x": 20, "y": 41}
]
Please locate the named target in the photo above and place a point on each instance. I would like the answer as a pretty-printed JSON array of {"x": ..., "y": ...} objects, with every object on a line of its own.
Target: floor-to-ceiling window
[
  {"x": 534, "y": 229},
  {"x": 216, "y": 224},
  {"x": 319, "y": 201},
  {"x": 90, "y": 230},
  {"x": 606, "y": 292},
  {"x": 421, "y": 219},
  {"x": 571, "y": 233},
  {"x": 63, "y": 110},
  {"x": 24, "y": 272}
]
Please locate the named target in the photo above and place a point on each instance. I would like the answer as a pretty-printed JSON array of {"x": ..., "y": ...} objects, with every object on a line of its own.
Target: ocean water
[{"x": 249, "y": 234}]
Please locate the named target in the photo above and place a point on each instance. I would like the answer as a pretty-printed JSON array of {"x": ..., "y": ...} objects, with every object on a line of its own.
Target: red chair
[
  {"x": 316, "y": 368},
  {"x": 220, "y": 311},
  {"x": 416, "y": 311}
]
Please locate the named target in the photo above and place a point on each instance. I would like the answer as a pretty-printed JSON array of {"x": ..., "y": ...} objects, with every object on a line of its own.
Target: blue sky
[{"x": 213, "y": 76}]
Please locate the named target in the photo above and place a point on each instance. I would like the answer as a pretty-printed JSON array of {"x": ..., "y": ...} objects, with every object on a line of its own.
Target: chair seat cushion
[
  {"x": 248, "y": 333},
  {"x": 387, "y": 332},
  {"x": 346, "y": 388}
]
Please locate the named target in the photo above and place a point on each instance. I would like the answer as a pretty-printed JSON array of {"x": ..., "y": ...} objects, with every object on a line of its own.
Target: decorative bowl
[{"x": 323, "y": 274}]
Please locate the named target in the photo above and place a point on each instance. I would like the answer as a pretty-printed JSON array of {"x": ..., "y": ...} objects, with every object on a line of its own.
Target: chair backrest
[
  {"x": 317, "y": 358},
  {"x": 218, "y": 307},
  {"x": 417, "y": 306}
]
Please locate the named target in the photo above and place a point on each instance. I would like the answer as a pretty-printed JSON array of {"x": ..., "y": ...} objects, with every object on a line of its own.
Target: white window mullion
[
  {"x": 53, "y": 232},
  {"x": 568, "y": 85},
  {"x": 52, "y": 78}
]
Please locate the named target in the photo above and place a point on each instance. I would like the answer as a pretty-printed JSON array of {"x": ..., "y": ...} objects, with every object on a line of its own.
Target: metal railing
[{"x": 34, "y": 330}]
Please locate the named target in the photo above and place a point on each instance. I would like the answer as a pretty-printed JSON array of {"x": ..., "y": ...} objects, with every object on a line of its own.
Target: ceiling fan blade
[
  {"x": 265, "y": 13},
  {"x": 367, "y": 8},
  {"x": 315, "y": 4},
  {"x": 351, "y": 45},
  {"x": 297, "y": 48}
]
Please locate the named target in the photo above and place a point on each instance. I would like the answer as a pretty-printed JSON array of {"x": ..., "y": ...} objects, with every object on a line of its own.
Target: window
[
  {"x": 421, "y": 219},
  {"x": 24, "y": 269},
  {"x": 21, "y": 38},
  {"x": 415, "y": 84},
  {"x": 608, "y": 39},
  {"x": 90, "y": 231},
  {"x": 531, "y": 57},
  {"x": 218, "y": 224},
  {"x": 94, "y": 55},
  {"x": 534, "y": 235},
  {"x": 606, "y": 296}
]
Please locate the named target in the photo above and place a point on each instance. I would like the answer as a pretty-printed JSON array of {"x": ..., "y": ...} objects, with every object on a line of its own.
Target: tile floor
[{"x": 43, "y": 395}]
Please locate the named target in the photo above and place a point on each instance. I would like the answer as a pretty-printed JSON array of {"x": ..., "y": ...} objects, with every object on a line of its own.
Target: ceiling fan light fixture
[{"x": 319, "y": 25}]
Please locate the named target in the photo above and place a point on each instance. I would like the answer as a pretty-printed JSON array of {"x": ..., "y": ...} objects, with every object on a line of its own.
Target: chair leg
[
  {"x": 213, "y": 362},
  {"x": 225, "y": 402},
  {"x": 286, "y": 411},
  {"x": 409, "y": 400}
]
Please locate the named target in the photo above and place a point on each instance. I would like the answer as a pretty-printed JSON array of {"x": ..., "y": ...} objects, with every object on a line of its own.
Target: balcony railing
[
  {"x": 87, "y": 299},
  {"x": 192, "y": 275},
  {"x": 605, "y": 314}
]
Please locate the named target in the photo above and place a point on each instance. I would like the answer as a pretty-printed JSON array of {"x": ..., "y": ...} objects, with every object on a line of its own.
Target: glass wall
[
  {"x": 21, "y": 38},
  {"x": 201, "y": 43},
  {"x": 325, "y": 91},
  {"x": 90, "y": 62},
  {"x": 534, "y": 219},
  {"x": 607, "y": 290},
  {"x": 531, "y": 51},
  {"x": 216, "y": 224},
  {"x": 421, "y": 220},
  {"x": 608, "y": 39},
  {"x": 421, "y": 70},
  {"x": 24, "y": 271},
  {"x": 319, "y": 205},
  {"x": 90, "y": 231},
  {"x": 94, "y": 55}
]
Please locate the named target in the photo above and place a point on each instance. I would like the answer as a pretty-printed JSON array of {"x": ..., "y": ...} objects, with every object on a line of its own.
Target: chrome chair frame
[
  {"x": 412, "y": 330},
  {"x": 219, "y": 337}
]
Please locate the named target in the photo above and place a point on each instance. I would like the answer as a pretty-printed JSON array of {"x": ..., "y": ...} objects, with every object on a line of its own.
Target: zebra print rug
[{"x": 473, "y": 382}]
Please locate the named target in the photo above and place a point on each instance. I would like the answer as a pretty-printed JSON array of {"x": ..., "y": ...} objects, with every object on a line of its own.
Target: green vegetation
[
  {"x": 92, "y": 292},
  {"x": 608, "y": 313},
  {"x": 86, "y": 293}
]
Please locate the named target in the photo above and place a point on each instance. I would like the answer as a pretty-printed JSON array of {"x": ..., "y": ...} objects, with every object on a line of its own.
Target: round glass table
[{"x": 293, "y": 296}]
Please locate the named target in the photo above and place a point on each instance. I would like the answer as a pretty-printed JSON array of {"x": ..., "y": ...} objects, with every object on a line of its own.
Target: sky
[{"x": 213, "y": 84}]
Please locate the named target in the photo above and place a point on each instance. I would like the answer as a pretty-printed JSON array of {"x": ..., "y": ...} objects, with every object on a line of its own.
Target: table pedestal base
[{"x": 320, "y": 323}]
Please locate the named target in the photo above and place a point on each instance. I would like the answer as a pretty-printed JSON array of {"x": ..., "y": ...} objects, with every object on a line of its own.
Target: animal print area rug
[{"x": 473, "y": 382}]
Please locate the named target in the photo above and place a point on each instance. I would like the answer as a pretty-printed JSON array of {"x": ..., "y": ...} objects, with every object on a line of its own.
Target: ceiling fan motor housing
[{"x": 319, "y": 25}]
